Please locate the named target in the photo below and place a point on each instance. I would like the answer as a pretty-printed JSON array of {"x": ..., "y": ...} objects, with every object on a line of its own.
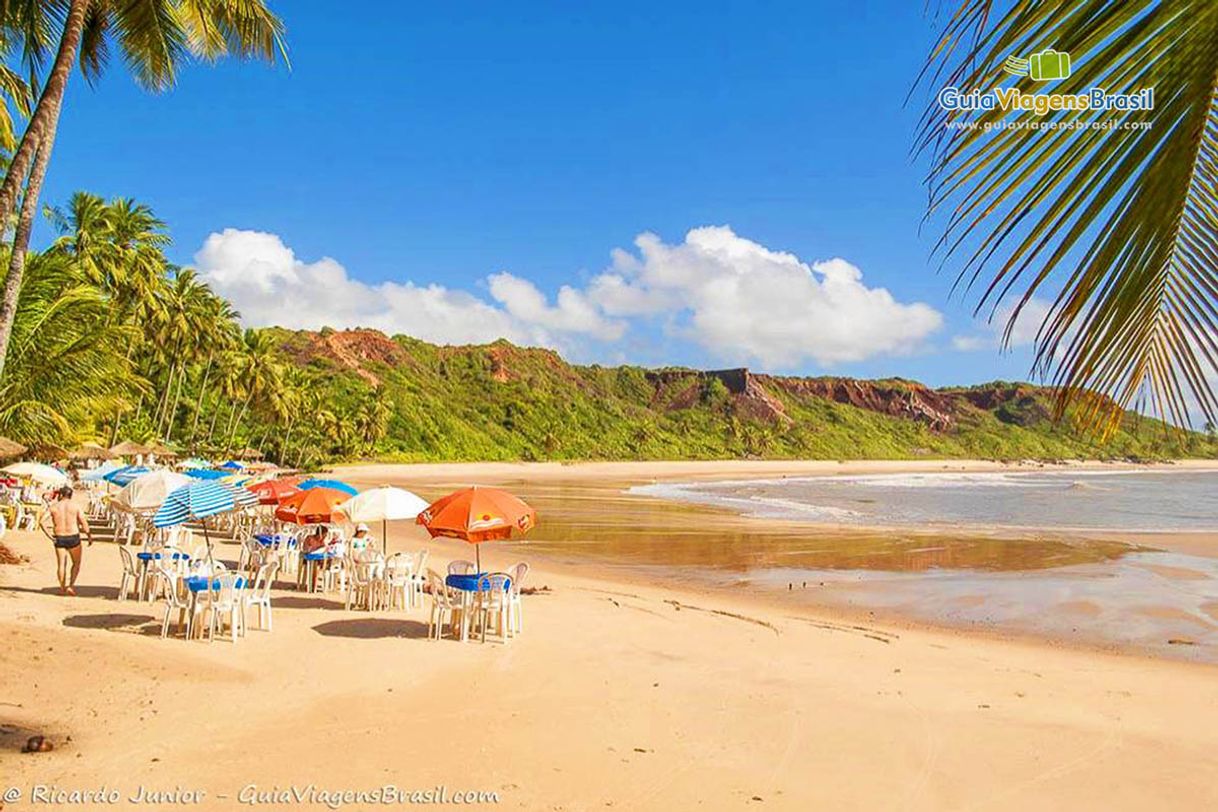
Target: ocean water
[{"x": 1144, "y": 501}]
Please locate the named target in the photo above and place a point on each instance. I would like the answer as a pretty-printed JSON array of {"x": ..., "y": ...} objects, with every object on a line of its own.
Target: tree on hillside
[
  {"x": 155, "y": 37},
  {"x": 1119, "y": 226}
]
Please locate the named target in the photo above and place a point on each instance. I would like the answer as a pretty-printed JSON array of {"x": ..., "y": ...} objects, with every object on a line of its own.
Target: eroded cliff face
[{"x": 751, "y": 396}]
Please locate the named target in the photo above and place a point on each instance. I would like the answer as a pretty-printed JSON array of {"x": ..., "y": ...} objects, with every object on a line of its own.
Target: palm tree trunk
[
  {"x": 194, "y": 429},
  {"x": 25, "y": 225},
  {"x": 211, "y": 431},
  {"x": 233, "y": 433},
  {"x": 173, "y": 411},
  {"x": 38, "y": 136}
]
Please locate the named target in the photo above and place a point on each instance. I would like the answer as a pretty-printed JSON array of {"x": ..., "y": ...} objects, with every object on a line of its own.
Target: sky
[{"x": 711, "y": 185}]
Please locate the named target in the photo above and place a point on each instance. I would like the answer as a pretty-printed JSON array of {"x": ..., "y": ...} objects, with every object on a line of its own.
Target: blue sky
[{"x": 478, "y": 156}]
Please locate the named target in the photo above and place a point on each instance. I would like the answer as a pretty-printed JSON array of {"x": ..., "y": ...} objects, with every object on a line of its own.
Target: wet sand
[{"x": 1000, "y": 581}]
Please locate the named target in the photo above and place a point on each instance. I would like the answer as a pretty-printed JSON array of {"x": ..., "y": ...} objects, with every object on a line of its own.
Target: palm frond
[{"x": 1116, "y": 218}]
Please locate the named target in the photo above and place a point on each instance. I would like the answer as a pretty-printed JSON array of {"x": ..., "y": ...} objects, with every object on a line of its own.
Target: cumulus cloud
[
  {"x": 743, "y": 301},
  {"x": 1023, "y": 334},
  {"x": 740, "y": 301},
  {"x": 269, "y": 284}
]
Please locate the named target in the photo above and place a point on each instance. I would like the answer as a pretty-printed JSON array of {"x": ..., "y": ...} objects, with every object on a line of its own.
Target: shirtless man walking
[{"x": 67, "y": 523}]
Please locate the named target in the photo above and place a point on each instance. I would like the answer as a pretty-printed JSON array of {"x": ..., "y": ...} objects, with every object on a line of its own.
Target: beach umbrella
[
  {"x": 198, "y": 501},
  {"x": 10, "y": 448},
  {"x": 231, "y": 465},
  {"x": 129, "y": 449},
  {"x": 273, "y": 491},
  {"x": 126, "y": 474},
  {"x": 149, "y": 491},
  {"x": 193, "y": 463},
  {"x": 99, "y": 473},
  {"x": 207, "y": 473},
  {"x": 477, "y": 515},
  {"x": 382, "y": 505},
  {"x": 37, "y": 472},
  {"x": 50, "y": 452},
  {"x": 332, "y": 484},
  {"x": 249, "y": 454},
  {"x": 91, "y": 451},
  {"x": 314, "y": 506}
]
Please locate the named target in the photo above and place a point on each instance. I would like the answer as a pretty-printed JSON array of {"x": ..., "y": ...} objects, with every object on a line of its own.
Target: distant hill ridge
[{"x": 500, "y": 401}]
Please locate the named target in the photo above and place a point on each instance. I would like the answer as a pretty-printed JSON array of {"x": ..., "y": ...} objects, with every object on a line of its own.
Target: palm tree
[
  {"x": 260, "y": 372},
  {"x": 154, "y": 37},
  {"x": 1117, "y": 225}
]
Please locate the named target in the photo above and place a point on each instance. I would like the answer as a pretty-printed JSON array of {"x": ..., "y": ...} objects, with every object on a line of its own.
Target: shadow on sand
[
  {"x": 372, "y": 628},
  {"x": 81, "y": 591},
  {"x": 304, "y": 602},
  {"x": 115, "y": 622}
]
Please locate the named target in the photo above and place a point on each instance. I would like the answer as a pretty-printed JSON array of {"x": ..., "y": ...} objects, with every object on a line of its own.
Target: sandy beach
[{"x": 630, "y": 688}]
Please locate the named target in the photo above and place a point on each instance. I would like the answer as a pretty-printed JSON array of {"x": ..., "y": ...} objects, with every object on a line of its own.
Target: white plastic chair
[
  {"x": 363, "y": 586},
  {"x": 399, "y": 579},
  {"x": 225, "y": 604},
  {"x": 418, "y": 578},
  {"x": 492, "y": 602},
  {"x": 132, "y": 578},
  {"x": 175, "y": 601},
  {"x": 461, "y": 567},
  {"x": 515, "y": 616},
  {"x": 443, "y": 609},
  {"x": 260, "y": 595}
]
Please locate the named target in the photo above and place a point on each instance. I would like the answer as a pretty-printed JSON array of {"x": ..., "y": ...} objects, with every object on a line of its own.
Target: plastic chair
[
  {"x": 515, "y": 617},
  {"x": 418, "y": 578},
  {"x": 443, "y": 610},
  {"x": 175, "y": 601},
  {"x": 399, "y": 580},
  {"x": 461, "y": 567},
  {"x": 132, "y": 577},
  {"x": 222, "y": 602},
  {"x": 260, "y": 594},
  {"x": 492, "y": 601}
]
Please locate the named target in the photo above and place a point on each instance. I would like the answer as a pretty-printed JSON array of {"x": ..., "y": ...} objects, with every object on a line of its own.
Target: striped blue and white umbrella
[
  {"x": 124, "y": 476},
  {"x": 335, "y": 484},
  {"x": 207, "y": 473},
  {"x": 198, "y": 501},
  {"x": 99, "y": 473}
]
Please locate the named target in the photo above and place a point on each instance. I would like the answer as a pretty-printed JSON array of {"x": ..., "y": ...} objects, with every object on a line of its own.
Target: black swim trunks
[{"x": 67, "y": 542}]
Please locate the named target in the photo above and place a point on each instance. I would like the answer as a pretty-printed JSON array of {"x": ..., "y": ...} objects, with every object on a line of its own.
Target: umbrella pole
[
  {"x": 478, "y": 558},
  {"x": 211, "y": 559},
  {"x": 384, "y": 538}
]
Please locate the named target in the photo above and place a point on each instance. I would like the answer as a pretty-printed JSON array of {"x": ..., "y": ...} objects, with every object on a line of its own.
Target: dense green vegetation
[{"x": 112, "y": 342}]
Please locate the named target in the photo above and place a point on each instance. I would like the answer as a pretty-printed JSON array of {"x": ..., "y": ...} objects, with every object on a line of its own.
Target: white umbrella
[
  {"x": 42, "y": 474},
  {"x": 381, "y": 505},
  {"x": 147, "y": 491}
]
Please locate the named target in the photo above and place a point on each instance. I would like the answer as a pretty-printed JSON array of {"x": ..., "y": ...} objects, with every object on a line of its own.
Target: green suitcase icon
[{"x": 1049, "y": 64}]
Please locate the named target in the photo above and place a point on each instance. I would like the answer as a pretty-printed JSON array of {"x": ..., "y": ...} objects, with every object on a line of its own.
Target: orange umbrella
[
  {"x": 314, "y": 506},
  {"x": 477, "y": 515},
  {"x": 274, "y": 491}
]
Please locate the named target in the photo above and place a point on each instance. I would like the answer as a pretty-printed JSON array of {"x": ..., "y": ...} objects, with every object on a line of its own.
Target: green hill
[{"x": 503, "y": 402}]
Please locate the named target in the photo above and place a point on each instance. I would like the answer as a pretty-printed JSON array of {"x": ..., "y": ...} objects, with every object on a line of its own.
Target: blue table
[
  {"x": 311, "y": 559},
  {"x": 198, "y": 583},
  {"x": 158, "y": 556},
  {"x": 469, "y": 583},
  {"x": 274, "y": 540}
]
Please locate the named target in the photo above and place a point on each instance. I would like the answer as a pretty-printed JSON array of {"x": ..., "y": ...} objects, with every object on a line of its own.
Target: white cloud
[
  {"x": 269, "y": 285},
  {"x": 743, "y": 301},
  {"x": 739, "y": 300},
  {"x": 1034, "y": 313},
  {"x": 572, "y": 312}
]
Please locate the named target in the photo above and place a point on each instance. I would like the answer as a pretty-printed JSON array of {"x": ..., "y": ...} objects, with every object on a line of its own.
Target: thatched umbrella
[
  {"x": 162, "y": 450},
  {"x": 129, "y": 449},
  {"x": 91, "y": 451},
  {"x": 10, "y": 449},
  {"x": 48, "y": 452},
  {"x": 248, "y": 454}
]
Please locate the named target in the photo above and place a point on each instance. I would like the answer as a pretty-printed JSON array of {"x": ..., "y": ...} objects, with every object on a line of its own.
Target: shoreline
[{"x": 613, "y": 554}]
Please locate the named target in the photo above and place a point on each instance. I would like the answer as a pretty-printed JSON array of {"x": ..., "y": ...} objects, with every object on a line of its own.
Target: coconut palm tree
[
  {"x": 154, "y": 36},
  {"x": 260, "y": 372},
  {"x": 1115, "y": 220}
]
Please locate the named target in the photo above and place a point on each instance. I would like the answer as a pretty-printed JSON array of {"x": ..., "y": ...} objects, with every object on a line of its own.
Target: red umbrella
[
  {"x": 477, "y": 515},
  {"x": 274, "y": 491},
  {"x": 314, "y": 506}
]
